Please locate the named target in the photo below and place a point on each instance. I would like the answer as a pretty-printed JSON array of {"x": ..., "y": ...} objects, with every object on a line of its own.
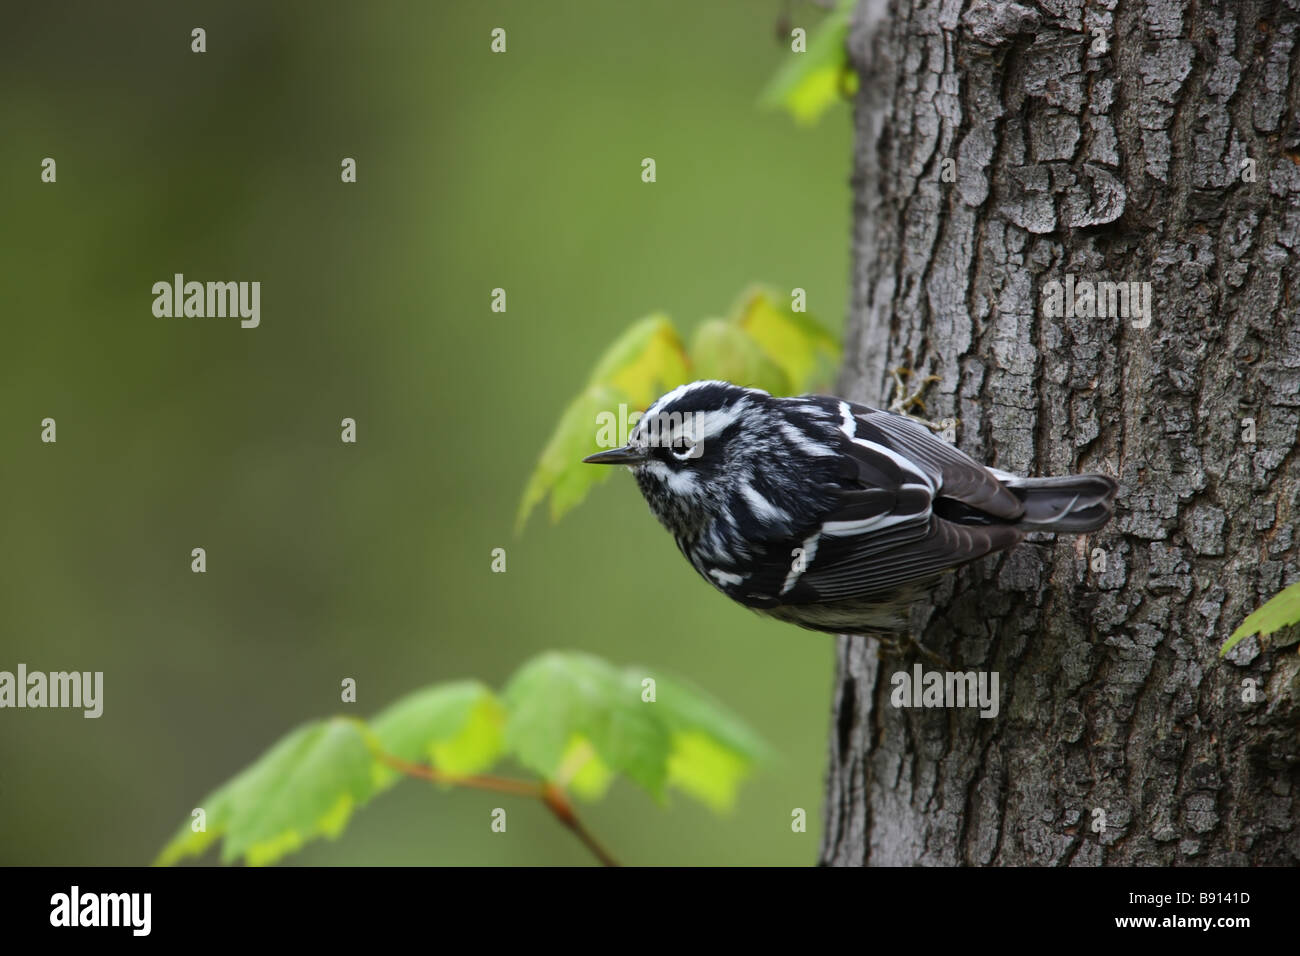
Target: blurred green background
[{"x": 372, "y": 560}]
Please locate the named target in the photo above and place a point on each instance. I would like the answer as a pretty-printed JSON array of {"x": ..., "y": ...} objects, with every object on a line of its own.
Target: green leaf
[
  {"x": 707, "y": 771},
  {"x": 713, "y": 750},
  {"x": 807, "y": 354},
  {"x": 1281, "y": 611},
  {"x": 686, "y": 708},
  {"x": 589, "y": 777},
  {"x": 810, "y": 83},
  {"x": 724, "y": 351},
  {"x": 563, "y": 697},
  {"x": 560, "y": 471},
  {"x": 459, "y": 728},
  {"x": 644, "y": 362},
  {"x": 305, "y": 786},
  {"x": 574, "y": 716},
  {"x": 570, "y": 717}
]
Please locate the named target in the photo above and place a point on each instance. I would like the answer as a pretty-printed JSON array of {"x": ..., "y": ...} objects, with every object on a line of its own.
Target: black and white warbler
[{"x": 829, "y": 514}]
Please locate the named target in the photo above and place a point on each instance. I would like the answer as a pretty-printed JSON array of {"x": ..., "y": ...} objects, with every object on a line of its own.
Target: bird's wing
[
  {"x": 882, "y": 533},
  {"x": 954, "y": 473},
  {"x": 876, "y": 564}
]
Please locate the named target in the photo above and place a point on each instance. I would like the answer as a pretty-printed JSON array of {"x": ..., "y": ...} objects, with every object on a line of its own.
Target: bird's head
[{"x": 692, "y": 448}]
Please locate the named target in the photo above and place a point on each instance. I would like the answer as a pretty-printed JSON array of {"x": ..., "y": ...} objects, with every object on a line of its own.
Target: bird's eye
[{"x": 686, "y": 449}]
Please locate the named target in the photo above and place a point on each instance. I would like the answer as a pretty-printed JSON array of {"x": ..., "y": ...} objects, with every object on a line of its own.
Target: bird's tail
[{"x": 1072, "y": 503}]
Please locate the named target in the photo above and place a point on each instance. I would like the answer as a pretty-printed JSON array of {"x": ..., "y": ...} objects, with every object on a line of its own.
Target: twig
[
  {"x": 551, "y": 795},
  {"x": 500, "y": 784},
  {"x": 559, "y": 804}
]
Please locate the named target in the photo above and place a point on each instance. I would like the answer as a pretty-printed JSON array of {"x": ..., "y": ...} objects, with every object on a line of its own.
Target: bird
[{"x": 830, "y": 514}]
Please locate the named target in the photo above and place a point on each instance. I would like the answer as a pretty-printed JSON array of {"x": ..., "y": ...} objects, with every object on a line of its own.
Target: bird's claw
[
  {"x": 903, "y": 402},
  {"x": 899, "y": 645}
]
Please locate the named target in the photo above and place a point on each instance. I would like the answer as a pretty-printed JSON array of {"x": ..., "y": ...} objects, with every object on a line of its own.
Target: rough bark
[{"x": 1122, "y": 164}]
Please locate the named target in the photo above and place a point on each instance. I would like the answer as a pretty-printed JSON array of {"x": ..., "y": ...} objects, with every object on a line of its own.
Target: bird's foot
[
  {"x": 903, "y": 402},
  {"x": 899, "y": 645}
]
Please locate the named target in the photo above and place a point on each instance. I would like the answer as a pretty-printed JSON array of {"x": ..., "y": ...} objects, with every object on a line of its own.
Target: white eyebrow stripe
[
  {"x": 711, "y": 424},
  {"x": 670, "y": 397},
  {"x": 682, "y": 390}
]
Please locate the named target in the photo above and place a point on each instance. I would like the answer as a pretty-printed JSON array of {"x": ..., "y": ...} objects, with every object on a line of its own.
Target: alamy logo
[
  {"x": 923, "y": 688},
  {"x": 1085, "y": 299},
  {"x": 75, "y": 689},
  {"x": 213, "y": 300},
  {"x": 102, "y": 909},
  {"x": 661, "y": 430}
]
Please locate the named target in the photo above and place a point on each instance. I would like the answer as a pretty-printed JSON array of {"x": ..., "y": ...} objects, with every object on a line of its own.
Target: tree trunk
[{"x": 1154, "y": 141}]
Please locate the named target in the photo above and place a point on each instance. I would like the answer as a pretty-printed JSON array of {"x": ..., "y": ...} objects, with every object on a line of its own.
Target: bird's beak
[{"x": 627, "y": 455}]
